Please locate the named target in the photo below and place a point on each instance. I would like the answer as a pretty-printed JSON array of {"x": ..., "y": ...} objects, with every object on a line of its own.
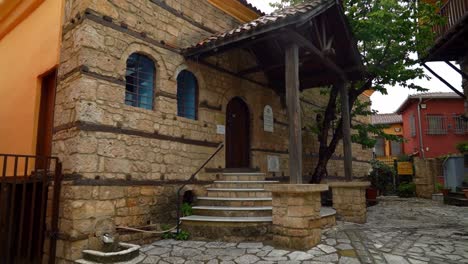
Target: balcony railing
[{"x": 453, "y": 11}]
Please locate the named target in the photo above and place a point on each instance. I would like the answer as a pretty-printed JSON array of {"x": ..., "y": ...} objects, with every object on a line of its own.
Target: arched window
[
  {"x": 140, "y": 77},
  {"x": 187, "y": 95}
]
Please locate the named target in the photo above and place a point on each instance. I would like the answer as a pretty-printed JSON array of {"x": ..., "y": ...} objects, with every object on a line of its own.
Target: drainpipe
[{"x": 421, "y": 143}]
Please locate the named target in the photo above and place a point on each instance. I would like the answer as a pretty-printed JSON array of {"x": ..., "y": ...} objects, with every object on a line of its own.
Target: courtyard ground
[{"x": 398, "y": 231}]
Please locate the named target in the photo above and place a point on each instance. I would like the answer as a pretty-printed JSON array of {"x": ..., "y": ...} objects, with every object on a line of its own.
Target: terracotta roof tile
[
  {"x": 434, "y": 95},
  {"x": 278, "y": 16},
  {"x": 251, "y": 7},
  {"x": 386, "y": 119}
]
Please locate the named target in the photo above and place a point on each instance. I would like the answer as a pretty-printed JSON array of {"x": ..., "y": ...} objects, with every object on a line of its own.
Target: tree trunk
[{"x": 326, "y": 149}]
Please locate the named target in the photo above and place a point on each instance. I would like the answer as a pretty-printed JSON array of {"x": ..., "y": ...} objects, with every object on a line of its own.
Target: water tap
[{"x": 107, "y": 239}]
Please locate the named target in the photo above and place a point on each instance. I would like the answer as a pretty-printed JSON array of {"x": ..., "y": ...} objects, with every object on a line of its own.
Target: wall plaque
[
  {"x": 220, "y": 129},
  {"x": 273, "y": 163},
  {"x": 268, "y": 120}
]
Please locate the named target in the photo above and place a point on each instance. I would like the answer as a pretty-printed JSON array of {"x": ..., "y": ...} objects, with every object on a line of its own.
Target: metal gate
[{"x": 29, "y": 204}]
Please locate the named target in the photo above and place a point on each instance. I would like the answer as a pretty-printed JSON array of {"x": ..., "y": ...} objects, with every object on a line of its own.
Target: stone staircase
[{"x": 236, "y": 208}]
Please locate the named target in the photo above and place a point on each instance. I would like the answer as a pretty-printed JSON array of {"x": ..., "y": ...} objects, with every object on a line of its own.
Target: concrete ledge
[
  {"x": 296, "y": 188},
  {"x": 357, "y": 184}
]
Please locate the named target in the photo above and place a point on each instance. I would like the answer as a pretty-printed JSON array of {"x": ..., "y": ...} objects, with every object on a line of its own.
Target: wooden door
[
  {"x": 46, "y": 115},
  {"x": 237, "y": 134}
]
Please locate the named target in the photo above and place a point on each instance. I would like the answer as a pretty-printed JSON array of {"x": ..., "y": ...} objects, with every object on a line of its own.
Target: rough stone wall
[
  {"x": 83, "y": 98},
  {"x": 104, "y": 142},
  {"x": 426, "y": 173}
]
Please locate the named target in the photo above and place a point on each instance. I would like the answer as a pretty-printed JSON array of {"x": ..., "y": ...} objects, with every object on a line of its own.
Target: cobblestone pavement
[{"x": 398, "y": 231}]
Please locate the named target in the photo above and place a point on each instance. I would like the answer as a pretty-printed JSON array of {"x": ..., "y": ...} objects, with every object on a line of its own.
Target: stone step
[
  {"x": 202, "y": 218},
  {"x": 244, "y": 176},
  {"x": 237, "y": 193},
  {"x": 225, "y": 211},
  {"x": 241, "y": 184},
  {"x": 234, "y": 202}
]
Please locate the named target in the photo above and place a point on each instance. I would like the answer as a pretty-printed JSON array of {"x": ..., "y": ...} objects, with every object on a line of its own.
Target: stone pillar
[
  {"x": 349, "y": 200},
  {"x": 296, "y": 215}
]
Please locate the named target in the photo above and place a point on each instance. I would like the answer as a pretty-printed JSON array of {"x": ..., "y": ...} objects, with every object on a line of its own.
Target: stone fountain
[{"x": 112, "y": 251}]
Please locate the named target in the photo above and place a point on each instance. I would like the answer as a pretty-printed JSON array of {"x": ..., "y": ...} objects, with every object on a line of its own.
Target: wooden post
[
  {"x": 294, "y": 113},
  {"x": 345, "y": 114}
]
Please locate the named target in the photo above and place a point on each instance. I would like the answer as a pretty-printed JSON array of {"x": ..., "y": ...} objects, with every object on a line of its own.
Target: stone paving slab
[{"x": 398, "y": 231}]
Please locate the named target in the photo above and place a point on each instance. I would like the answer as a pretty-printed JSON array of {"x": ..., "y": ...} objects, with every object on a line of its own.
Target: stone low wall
[
  {"x": 296, "y": 215},
  {"x": 87, "y": 212},
  {"x": 426, "y": 173},
  {"x": 349, "y": 200}
]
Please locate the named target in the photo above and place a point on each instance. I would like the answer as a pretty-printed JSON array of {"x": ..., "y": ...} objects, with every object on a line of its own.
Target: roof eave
[{"x": 299, "y": 19}]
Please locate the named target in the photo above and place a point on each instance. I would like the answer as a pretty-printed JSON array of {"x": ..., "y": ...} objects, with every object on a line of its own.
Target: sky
[{"x": 396, "y": 95}]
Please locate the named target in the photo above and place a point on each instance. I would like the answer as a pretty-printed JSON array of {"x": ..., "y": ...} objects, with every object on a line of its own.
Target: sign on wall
[
  {"x": 405, "y": 168},
  {"x": 273, "y": 163},
  {"x": 220, "y": 129},
  {"x": 268, "y": 120}
]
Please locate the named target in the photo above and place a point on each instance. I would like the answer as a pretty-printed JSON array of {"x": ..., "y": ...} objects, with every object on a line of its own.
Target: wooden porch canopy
[
  {"x": 299, "y": 47},
  {"x": 319, "y": 27}
]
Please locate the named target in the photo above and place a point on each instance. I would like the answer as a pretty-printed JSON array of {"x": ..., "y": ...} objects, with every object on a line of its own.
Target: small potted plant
[
  {"x": 465, "y": 189},
  {"x": 379, "y": 178},
  {"x": 438, "y": 196},
  {"x": 445, "y": 191}
]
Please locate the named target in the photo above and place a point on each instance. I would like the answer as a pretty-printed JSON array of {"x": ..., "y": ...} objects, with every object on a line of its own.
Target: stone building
[{"x": 134, "y": 118}]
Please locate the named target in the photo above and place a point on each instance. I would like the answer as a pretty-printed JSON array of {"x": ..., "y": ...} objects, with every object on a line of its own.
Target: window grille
[
  {"x": 140, "y": 78},
  {"x": 412, "y": 126},
  {"x": 436, "y": 125},
  {"x": 395, "y": 148},
  {"x": 460, "y": 125},
  {"x": 380, "y": 147},
  {"x": 187, "y": 95}
]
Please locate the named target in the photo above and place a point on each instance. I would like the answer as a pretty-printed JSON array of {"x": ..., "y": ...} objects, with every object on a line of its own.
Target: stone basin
[{"x": 127, "y": 253}]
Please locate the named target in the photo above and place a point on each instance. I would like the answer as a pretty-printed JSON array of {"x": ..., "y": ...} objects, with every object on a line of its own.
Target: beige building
[{"x": 135, "y": 115}]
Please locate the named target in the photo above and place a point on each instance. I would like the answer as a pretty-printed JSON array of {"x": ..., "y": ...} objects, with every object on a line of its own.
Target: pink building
[{"x": 433, "y": 124}]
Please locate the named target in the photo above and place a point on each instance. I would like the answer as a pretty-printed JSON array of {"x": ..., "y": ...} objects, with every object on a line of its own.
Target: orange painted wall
[
  {"x": 27, "y": 51},
  {"x": 393, "y": 129}
]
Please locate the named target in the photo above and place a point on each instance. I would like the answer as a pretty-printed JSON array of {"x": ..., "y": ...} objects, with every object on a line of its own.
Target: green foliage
[
  {"x": 183, "y": 235},
  {"x": 381, "y": 175},
  {"x": 407, "y": 190},
  {"x": 390, "y": 35},
  {"x": 187, "y": 209},
  {"x": 167, "y": 235},
  {"x": 462, "y": 147},
  {"x": 404, "y": 157},
  {"x": 439, "y": 187}
]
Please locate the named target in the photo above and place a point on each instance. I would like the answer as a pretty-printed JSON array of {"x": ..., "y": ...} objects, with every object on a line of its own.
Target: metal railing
[
  {"x": 24, "y": 195},
  {"x": 191, "y": 179},
  {"x": 453, "y": 11}
]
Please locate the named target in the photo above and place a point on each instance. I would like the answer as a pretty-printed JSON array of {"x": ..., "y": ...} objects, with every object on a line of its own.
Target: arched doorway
[{"x": 237, "y": 134}]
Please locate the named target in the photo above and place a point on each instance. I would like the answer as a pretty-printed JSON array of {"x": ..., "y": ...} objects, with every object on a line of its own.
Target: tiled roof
[
  {"x": 434, "y": 95},
  {"x": 447, "y": 95},
  {"x": 386, "y": 119},
  {"x": 282, "y": 15},
  {"x": 251, "y": 7}
]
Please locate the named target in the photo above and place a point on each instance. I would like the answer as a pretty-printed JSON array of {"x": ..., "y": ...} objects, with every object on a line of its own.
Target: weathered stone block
[{"x": 349, "y": 200}]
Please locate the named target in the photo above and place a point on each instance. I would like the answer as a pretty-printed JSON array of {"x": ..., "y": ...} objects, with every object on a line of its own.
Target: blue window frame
[
  {"x": 187, "y": 95},
  {"x": 140, "y": 77}
]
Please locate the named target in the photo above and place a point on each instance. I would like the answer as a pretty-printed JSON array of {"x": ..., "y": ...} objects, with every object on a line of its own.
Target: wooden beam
[
  {"x": 303, "y": 42},
  {"x": 220, "y": 69},
  {"x": 346, "y": 117},
  {"x": 294, "y": 113},
  {"x": 444, "y": 81},
  {"x": 345, "y": 110}
]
